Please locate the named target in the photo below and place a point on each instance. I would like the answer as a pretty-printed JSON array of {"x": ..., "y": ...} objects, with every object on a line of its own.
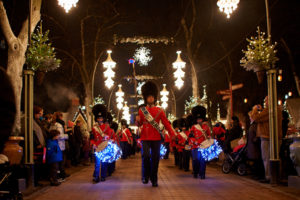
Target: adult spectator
[
  {"x": 78, "y": 142},
  {"x": 261, "y": 117},
  {"x": 233, "y": 133}
]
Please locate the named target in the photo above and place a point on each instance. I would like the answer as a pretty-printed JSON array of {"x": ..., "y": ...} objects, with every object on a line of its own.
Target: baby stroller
[{"x": 236, "y": 160}]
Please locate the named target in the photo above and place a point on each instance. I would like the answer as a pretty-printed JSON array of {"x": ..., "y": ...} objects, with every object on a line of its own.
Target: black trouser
[
  {"x": 180, "y": 159},
  {"x": 150, "y": 156},
  {"x": 176, "y": 156},
  {"x": 124, "y": 147},
  {"x": 186, "y": 159},
  {"x": 53, "y": 167},
  {"x": 61, "y": 166},
  {"x": 167, "y": 145},
  {"x": 76, "y": 154}
]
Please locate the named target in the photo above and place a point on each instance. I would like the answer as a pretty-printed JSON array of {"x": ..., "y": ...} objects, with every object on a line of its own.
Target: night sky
[{"x": 219, "y": 37}]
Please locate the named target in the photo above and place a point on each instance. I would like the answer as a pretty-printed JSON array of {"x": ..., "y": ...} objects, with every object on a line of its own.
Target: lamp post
[
  {"x": 179, "y": 64},
  {"x": 164, "y": 97},
  {"x": 109, "y": 64},
  {"x": 272, "y": 104}
]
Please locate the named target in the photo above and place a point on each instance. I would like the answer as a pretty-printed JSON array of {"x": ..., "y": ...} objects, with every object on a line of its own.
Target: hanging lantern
[
  {"x": 179, "y": 64},
  {"x": 109, "y": 64},
  {"x": 120, "y": 97},
  {"x": 126, "y": 114},
  {"x": 164, "y": 97},
  {"x": 227, "y": 6},
  {"x": 67, "y": 4}
]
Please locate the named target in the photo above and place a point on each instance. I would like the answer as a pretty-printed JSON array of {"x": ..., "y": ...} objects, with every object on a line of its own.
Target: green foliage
[
  {"x": 41, "y": 56},
  {"x": 260, "y": 54}
]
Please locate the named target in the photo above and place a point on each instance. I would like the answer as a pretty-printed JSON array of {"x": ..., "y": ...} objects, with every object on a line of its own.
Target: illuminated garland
[
  {"x": 143, "y": 40},
  {"x": 162, "y": 151},
  {"x": 110, "y": 154},
  {"x": 211, "y": 152}
]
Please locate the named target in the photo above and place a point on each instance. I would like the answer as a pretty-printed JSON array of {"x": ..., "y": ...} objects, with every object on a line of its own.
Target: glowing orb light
[
  {"x": 109, "y": 64},
  {"x": 179, "y": 73}
]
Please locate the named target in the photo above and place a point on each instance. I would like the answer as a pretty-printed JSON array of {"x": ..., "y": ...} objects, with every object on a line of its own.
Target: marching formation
[{"x": 189, "y": 137}]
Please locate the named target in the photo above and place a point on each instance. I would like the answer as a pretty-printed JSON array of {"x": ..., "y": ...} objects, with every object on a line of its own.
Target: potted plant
[
  {"x": 260, "y": 55},
  {"x": 41, "y": 56}
]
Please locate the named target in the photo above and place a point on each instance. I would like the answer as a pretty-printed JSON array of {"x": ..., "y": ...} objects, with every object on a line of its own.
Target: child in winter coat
[{"x": 54, "y": 156}]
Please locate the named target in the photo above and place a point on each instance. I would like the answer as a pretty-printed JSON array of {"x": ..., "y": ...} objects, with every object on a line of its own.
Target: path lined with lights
[{"x": 173, "y": 184}]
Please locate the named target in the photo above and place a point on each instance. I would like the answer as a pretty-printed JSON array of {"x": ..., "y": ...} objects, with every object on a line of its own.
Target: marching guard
[
  {"x": 101, "y": 133},
  {"x": 199, "y": 132},
  {"x": 186, "y": 148},
  {"x": 126, "y": 140},
  {"x": 174, "y": 145},
  {"x": 151, "y": 136}
]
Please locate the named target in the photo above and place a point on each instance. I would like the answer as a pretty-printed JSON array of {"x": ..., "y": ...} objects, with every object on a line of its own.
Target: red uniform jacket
[
  {"x": 198, "y": 137},
  {"x": 98, "y": 136},
  {"x": 181, "y": 140},
  {"x": 219, "y": 132},
  {"x": 123, "y": 137},
  {"x": 167, "y": 137},
  {"x": 148, "y": 132}
]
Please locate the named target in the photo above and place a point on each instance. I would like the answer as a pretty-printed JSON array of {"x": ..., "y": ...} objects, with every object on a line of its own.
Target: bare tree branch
[{"x": 6, "y": 29}]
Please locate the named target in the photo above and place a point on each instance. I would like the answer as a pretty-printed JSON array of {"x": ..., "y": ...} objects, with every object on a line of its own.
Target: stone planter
[
  {"x": 295, "y": 153},
  {"x": 13, "y": 150}
]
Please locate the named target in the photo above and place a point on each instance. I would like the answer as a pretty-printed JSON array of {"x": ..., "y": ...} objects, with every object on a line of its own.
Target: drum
[{"x": 102, "y": 146}]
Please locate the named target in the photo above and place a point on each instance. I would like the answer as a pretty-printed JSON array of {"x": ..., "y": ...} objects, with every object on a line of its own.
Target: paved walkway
[{"x": 173, "y": 184}]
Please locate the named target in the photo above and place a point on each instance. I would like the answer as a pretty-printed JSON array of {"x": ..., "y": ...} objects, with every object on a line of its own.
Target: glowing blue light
[
  {"x": 110, "y": 154},
  {"x": 211, "y": 152},
  {"x": 131, "y": 61},
  {"x": 163, "y": 151}
]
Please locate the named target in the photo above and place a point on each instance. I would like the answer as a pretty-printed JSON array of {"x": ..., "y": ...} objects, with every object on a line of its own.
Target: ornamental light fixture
[
  {"x": 109, "y": 64},
  {"x": 142, "y": 56},
  {"x": 164, "y": 97},
  {"x": 126, "y": 114},
  {"x": 67, "y": 4},
  {"x": 227, "y": 6},
  {"x": 120, "y": 97},
  {"x": 179, "y": 64}
]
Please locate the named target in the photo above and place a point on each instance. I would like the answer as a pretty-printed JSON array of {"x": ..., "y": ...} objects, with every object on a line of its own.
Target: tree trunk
[
  {"x": 87, "y": 102},
  {"x": 194, "y": 79},
  {"x": 15, "y": 64}
]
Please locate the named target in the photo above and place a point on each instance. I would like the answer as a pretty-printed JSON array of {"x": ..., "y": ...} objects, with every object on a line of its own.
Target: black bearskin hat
[
  {"x": 114, "y": 126},
  {"x": 109, "y": 117},
  {"x": 123, "y": 122},
  {"x": 99, "y": 110},
  {"x": 190, "y": 120},
  {"x": 199, "y": 112},
  {"x": 149, "y": 89},
  {"x": 183, "y": 123},
  {"x": 175, "y": 124}
]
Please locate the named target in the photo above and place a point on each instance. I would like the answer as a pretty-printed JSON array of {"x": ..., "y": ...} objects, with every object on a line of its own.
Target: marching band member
[
  {"x": 199, "y": 132},
  {"x": 101, "y": 132},
  {"x": 149, "y": 118},
  {"x": 181, "y": 142},
  {"x": 167, "y": 142},
  {"x": 125, "y": 139},
  {"x": 186, "y": 154},
  {"x": 175, "y": 141}
]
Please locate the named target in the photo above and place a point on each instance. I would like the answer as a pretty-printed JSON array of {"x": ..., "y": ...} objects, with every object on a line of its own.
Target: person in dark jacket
[
  {"x": 235, "y": 132},
  {"x": 54, "y": 156},
  {"x": 253, "y": 150},
  {"x": 78, "y": 142}
]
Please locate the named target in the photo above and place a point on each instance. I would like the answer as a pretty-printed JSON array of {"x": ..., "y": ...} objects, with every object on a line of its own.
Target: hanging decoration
[
  {"x": 260, "y": 54},
  {"x": 143, "y": 40},
  {"x": 227, "y": 6},
  {"x": 162, "y": 151},
  {"x": 109, "y": 64},
  {"x": 142, "y": 56},
  {"x": 120, "y": 97},
  {"x": 164, "y": 97},
  {"x": 179, "y": 64},
  {"x": 126, "y": 114},
  {"x": 67, "y": 4}
]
